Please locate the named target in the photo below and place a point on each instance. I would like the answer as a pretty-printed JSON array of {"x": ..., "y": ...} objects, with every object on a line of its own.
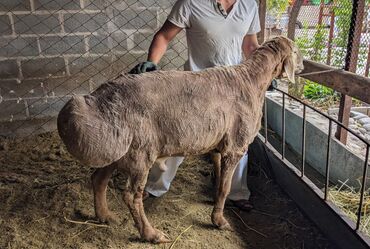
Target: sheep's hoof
[
  {"x": 156, "y": 236},
  {"x": 221, "y": 223},
  {"x": 226, "y": 227},
  {"x": 109, "y": 218}
]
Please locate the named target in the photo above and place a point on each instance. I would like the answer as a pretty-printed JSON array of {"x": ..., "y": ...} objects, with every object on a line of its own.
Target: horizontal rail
[
  {"x": 361, "y": 138},
  {"x": 345, "y": 82}
]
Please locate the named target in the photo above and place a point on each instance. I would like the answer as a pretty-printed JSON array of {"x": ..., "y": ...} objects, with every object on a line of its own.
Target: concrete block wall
[{"x": 51, "y": 49}]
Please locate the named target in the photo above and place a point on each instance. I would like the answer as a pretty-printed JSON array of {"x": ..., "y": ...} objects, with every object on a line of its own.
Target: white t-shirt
[{"x": 213, "y": 39}]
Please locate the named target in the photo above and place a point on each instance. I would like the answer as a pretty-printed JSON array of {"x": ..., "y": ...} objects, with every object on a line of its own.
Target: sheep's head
[{"x": 291, "y": 57}]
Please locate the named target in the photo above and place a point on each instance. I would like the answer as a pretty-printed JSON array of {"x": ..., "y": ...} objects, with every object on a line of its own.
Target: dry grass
[{"x": 347, "y": 199}]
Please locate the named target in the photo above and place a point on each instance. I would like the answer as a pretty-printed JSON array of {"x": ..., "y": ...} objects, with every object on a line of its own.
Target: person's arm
[
  {"x": 250, "y": 43},
  {"x": 161, "y": 40}
]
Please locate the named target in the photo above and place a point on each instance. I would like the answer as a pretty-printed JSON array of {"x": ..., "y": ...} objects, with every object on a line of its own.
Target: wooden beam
[
  {"x": 345, "y": 82},
  {"x": 262, "y": 8},
  {"x": 293, "y": 18},
  {"x": 351, "y": 64}
]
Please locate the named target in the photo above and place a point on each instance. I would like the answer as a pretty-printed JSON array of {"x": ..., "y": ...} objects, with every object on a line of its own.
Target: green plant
[
  {"x": 317, "y": 92},
  {"x": 277, "y": 6}
]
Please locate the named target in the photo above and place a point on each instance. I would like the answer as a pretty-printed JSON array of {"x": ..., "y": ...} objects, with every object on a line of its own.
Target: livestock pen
[{"x": 51, "y": 50}]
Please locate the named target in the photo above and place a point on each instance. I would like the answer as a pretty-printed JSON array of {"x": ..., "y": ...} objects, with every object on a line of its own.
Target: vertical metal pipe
[
  {"x": 283, "y": 128},
  {"x": 265, "y": 120},
  {"x": 327, "y": 162},
  {"x": 363, "y": 187},
  {"x": 303, "y": 140}
]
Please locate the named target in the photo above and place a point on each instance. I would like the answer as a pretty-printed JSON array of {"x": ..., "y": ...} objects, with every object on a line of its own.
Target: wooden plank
[{"x": 342, "y": 81}]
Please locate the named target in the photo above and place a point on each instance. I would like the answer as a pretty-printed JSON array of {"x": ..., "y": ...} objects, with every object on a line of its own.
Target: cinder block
[
  {"x": 57, "y": 5},
  {"x": 19, "y": 46},
  {"x": 89, "y": 66},
  {"x": 119, "y": 41},
  {"x": 46, "y": 107},
  {"x": 5, "y": 27},
  {"x": 36, "y": 24},
  {"x": 67, "y": 86},
  {"x": 13, "y": 5},
  {"x": 98, "y": 44},
  {"x": 172, "y": 60},
  {"x": 62, "y": 45},
  {"x": 9, "y": 69},
  {"x": 142, "y": 40},
  {"x": 81, "y": 22},
  {"x": 98, "y": 4},
  {"x": 133, "y": 18},
  {"x": 127, "y": 61},
  {"x": 43, "y": 67},
  {"x": 179, "y": 44},
  {"x": 11, "y": 110},
  {"x": 156, "y": 3},
  {"x": 12, "y": 89}
]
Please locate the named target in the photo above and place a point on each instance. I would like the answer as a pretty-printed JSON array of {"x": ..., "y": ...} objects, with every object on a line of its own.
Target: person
[{"x": 218, "y": 33}]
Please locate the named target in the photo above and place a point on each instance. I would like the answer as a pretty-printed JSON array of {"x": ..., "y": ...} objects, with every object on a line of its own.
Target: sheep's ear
[{"x": 289, "y": 68}]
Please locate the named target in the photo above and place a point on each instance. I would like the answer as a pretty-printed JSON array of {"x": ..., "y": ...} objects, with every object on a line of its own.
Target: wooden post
[
  {"x": 331, "y": 33},
  {"x": 351, "y": 64},
  {"x": 262, "y": 14},
  {"x": 293, "y": 18},
  {"x": 367, "y": 63}
]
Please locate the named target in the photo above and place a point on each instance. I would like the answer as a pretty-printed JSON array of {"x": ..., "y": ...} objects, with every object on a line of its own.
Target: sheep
[{"x": 133, "y": 121}]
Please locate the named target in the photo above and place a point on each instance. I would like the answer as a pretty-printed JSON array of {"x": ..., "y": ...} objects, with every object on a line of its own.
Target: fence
[
  {"x": 322, "y": 29},
  {"x": 53, "y": 49}
]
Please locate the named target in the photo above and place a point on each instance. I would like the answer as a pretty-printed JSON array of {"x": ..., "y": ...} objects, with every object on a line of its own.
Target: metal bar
[
  {"x": 326, "y": 116},
  {"x": 327, "y": 162},
  {"x": 265, "y": 121},
  {"x": 363, "y": 186},
  {"x": 303, "y": 140},
  {"x": 283, "y": 128}
]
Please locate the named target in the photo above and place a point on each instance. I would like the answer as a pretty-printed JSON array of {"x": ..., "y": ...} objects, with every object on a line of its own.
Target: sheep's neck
[{"x": 262, "y": 67}]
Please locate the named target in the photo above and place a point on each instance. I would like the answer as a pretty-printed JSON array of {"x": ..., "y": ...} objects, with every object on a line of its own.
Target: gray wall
[
  {"x": 50, "y": 50},
  {"x": 344, "y": 165}
]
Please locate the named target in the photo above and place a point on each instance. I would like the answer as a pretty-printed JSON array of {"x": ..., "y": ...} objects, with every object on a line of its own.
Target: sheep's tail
[{"x": 88, "y": 137}]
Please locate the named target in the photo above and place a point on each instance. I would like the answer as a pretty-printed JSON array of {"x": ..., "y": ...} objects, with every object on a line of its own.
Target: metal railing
[{"x": 303, "y": 152}]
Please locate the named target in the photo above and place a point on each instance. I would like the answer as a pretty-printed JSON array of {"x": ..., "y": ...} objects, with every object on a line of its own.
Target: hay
[{"x": 347, "y": 199}]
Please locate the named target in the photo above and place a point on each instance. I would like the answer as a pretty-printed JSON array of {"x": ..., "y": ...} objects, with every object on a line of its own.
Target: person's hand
[
  {"x": 272, "y": 86},
  {"x": 144, "y": 67}
]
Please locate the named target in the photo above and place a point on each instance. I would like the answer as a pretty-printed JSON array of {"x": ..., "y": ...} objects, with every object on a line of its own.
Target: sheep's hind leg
[
  {"x": 133, "y": 197},
  {"x": 100, "y": 179},
  {"x": 228, "y": 165},
  {"x": 216, "y": 159}
]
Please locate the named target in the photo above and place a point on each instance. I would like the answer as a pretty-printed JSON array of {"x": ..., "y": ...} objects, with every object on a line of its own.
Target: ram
[{"x": 133, "y": 121}]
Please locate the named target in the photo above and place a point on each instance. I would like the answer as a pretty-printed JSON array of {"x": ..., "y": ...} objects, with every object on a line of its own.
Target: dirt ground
[{"x": 46, "y": 201}]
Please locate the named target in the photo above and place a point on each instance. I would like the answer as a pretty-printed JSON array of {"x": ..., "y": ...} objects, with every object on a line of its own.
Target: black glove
[
  {"x": 144, "y": 67},
  {"x": 272, "y": 86}
]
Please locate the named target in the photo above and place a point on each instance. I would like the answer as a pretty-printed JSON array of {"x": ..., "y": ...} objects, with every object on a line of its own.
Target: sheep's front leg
[
  {"x": 228, "y": 165},
  {"x": 100, "y": 179},
  {"x": 133, "y": 197}
]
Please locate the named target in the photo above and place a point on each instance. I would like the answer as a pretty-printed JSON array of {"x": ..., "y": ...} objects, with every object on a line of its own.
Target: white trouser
[{"x": 159, "y": 182}]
